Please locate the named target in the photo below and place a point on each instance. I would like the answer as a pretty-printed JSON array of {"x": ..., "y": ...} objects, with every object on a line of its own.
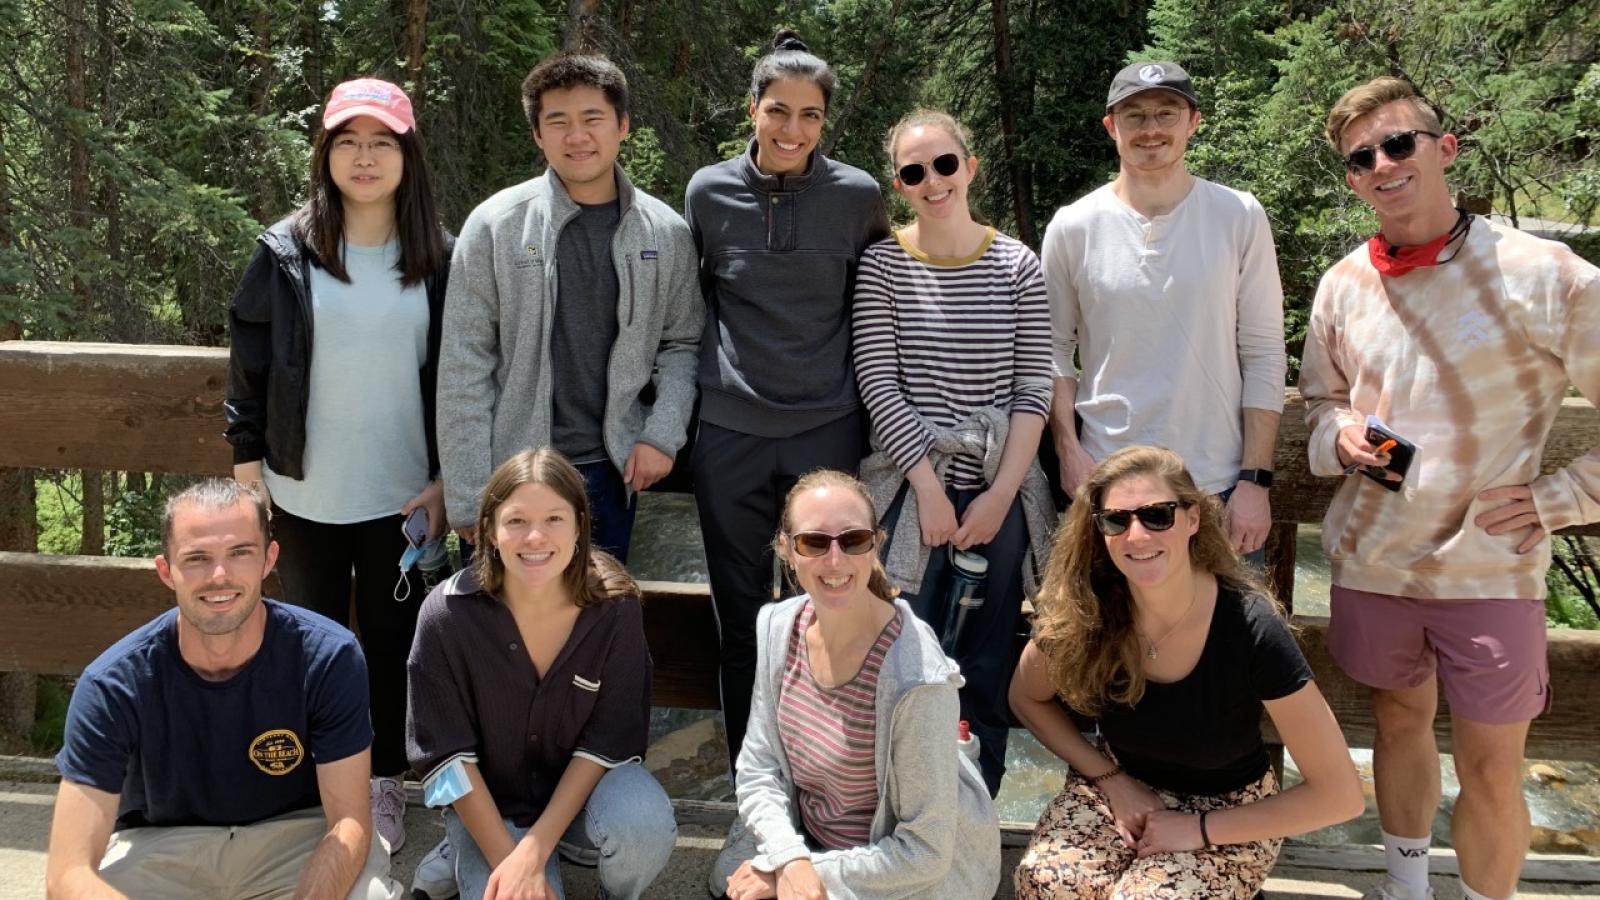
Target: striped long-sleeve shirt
[{"x": 939, "y": 338}]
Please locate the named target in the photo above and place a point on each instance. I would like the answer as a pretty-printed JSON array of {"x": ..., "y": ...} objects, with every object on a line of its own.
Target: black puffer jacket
[{"x": 269, "y": 366}]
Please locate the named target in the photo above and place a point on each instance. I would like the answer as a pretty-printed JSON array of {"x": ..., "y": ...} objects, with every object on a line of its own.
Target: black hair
[
  {"x": 569, "y": 69},
  {"x": 791, "y": 58},
  {"x": 319, "y": 224}
]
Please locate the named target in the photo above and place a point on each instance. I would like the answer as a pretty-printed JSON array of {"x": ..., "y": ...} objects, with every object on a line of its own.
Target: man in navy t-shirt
[{"x": 226, "y": 743}]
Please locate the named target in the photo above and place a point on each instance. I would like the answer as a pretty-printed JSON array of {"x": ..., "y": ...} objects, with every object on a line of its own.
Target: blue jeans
[
  {"x": 626, "y": 831},
  {"x": 611, "y": 528}
]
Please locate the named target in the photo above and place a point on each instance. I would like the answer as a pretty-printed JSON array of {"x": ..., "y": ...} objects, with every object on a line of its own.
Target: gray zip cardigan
[
  {"x": 495, "y": 373},
  {"x": 934, "y": 836}
]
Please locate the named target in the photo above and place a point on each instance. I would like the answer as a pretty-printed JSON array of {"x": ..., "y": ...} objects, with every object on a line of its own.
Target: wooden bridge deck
[{"x": 1304, "y": 871}]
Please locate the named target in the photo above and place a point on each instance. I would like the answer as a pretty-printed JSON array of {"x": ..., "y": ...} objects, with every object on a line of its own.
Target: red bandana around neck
[{"x": 1392, "y": 260}]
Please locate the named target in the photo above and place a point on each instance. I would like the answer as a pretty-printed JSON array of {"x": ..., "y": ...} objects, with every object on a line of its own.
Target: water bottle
[
  {"x": 968, "y": 573},
  {"x": 434, "y": 564},
  {"x": 965, "y": 742}
]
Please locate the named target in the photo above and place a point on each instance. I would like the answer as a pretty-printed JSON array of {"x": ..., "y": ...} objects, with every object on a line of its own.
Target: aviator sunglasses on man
[
  {"x": 853, "y": 541},
  {"x": 1154, "y": 517},
  {"x": 946, "y": 164},
  {"x": 1398, "y": 146}
]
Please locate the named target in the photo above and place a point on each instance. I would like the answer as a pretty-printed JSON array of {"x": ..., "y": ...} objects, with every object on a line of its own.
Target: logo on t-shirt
[{"x": 277, "y": 752}]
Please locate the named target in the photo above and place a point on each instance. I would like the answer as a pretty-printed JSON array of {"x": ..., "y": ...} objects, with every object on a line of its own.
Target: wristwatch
[{"x": 1261, "y": 478}]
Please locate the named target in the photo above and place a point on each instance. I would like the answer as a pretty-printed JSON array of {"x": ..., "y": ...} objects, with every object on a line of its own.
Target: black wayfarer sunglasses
[
  {"x": 1398, "y": 146},
  {"x": 853, "y": 542},
  {"x": 1155, "y": 517},
  {"x": 946, "y": 164}
]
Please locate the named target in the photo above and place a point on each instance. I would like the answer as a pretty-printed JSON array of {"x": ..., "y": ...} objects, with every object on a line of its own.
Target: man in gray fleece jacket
[{"x": 573, "y": 315}]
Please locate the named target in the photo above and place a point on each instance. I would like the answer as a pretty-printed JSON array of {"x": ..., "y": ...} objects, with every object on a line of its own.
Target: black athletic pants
[
  {"x": 740, "y": 482},
  {"x": 315, "y": 565},
  {"x": 988, "y": 646}
]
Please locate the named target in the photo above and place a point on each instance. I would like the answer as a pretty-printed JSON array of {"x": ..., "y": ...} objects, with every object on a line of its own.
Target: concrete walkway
[{"x": 25, "y": 825}]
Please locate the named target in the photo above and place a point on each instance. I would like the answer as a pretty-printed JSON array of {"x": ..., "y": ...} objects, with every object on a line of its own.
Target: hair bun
[{"x": 789, "y": 40}]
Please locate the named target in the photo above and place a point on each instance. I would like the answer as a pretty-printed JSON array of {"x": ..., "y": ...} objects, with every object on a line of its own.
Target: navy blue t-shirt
[{"x": 181, "y": 750}]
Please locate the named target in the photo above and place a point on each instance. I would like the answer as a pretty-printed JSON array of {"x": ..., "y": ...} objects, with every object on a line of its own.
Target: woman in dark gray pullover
[{"x": 779, "y": 230}]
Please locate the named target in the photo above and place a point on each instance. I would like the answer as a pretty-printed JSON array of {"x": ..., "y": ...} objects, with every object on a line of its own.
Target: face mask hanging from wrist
[{"x": 430, "y": 560}]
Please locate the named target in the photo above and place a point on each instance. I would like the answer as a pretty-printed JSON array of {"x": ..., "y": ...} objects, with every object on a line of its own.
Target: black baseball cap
[{"x": 1151, "y": 76}]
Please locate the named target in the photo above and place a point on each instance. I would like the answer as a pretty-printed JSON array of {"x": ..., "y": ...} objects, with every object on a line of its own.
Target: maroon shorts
[{"x": 1490, "y": 654}]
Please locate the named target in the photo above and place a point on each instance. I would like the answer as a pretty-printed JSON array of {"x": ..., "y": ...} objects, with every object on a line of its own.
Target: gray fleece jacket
[
  {"x": 494, "y": 361},
  {"x": 934, "y": 836},
  {"x": 981, "y": 435}
]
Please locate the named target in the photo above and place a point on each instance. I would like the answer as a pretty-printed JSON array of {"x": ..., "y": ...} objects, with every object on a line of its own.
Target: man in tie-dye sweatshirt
[{"x": 1462, "y": 335}]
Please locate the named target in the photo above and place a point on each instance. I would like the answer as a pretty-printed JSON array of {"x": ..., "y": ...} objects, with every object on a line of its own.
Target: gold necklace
[{"x": 1151, "y": 652}]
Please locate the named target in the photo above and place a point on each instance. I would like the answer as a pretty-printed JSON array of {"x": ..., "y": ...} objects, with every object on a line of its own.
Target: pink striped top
[{"x": 829, "y": 736}]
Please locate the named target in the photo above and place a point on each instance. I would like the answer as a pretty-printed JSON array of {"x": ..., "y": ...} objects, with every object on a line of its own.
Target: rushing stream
[{"x": 1564, "y": 798}]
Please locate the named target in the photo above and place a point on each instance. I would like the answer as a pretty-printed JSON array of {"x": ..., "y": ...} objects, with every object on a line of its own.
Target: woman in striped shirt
[
  {"x": 951, "y": 330},
  {"x": 850, "y": 781}
]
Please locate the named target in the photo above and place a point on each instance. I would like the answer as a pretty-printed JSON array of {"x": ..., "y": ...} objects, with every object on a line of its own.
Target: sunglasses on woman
[
  {"x": 853, "y": 542},
  {"x": 1398, "y": 146},
  {"x": 946, "y": 164},
  {"x": 1154, "y": 517}
]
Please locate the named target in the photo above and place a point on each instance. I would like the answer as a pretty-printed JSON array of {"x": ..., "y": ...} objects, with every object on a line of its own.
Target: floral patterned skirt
[{"x": 1076, "y": 852}]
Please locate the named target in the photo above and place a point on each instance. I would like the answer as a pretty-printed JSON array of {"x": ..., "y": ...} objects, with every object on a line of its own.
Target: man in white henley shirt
[{"x": 1166, "y": 286}]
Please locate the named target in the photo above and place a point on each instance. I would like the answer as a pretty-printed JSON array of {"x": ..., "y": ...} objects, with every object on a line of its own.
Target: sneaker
[
  {"x": 1389, "y": 889},
  {"x": 388, "y": 797},
  {"x": 436, "y": 874}
]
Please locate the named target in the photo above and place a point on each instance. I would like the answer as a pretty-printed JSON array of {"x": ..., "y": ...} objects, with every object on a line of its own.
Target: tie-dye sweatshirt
[{"x": 1470, "y": 360}]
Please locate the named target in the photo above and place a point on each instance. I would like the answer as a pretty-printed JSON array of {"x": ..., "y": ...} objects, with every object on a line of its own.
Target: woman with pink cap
[{"x": 335, "y": 346}]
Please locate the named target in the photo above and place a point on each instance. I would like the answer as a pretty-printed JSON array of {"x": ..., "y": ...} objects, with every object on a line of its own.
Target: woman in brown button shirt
[{"x": 530, "y": 699}]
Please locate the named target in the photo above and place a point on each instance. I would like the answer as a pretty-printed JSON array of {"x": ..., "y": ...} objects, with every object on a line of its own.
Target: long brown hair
[
  {"x": 878, "y": 582},
  {"x": 1083, "y": 615},
  {"x": 592, "y": 576},
  {"x": 319, "y": 224}
]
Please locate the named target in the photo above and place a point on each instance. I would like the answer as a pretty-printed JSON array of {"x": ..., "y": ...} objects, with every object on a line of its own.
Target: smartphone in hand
[
  {"x": 415, "y": 527},
  {"x": 1402, "y": 453}
]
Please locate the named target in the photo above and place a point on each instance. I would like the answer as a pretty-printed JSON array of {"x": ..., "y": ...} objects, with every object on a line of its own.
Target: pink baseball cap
[{"x": 369, "y": 97}]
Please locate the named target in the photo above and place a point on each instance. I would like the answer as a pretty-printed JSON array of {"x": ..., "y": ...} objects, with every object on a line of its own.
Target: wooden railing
[{"x": 159, "y": 409}]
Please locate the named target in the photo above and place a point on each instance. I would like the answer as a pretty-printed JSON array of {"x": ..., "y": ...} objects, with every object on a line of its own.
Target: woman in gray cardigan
[{"x": 852, "y": 779}]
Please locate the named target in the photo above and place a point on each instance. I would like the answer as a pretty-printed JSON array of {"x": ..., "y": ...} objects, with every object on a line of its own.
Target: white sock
[
  {"x": 1470, "y": 894},
  {"x": 1407, "y": 861}
]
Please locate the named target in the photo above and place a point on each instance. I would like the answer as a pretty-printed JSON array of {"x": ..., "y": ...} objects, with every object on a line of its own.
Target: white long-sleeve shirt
[{"x": 1177, "y": 320}]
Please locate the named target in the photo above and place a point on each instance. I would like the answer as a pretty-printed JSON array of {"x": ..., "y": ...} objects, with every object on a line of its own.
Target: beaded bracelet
[{"x": 1115, "y": 770}]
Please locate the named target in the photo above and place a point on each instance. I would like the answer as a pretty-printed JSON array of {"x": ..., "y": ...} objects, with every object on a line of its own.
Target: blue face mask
[
  {"x": 449, "y": 782},
  {"x": 429, "y": 556}
]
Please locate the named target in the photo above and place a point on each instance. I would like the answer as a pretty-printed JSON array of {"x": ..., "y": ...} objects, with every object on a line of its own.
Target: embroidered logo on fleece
[
  {"x": 277, "y": 752},
  {"x": 647, "y": 254}
]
